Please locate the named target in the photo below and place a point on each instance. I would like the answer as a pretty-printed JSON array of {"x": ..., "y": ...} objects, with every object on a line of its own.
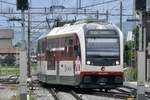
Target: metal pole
[
  {"x": 97, "y": 15},
  {"x": 79, "y": 4},
  {"x": 23, "y": 30},
  {"x": 23, "y": 67},
  {"x": 29, "y": 31},
  {"x": 121, "y": 15},
  {"x": 107, "y": 15},
  {"x": 141, "y": 64},
  {"x": 140, "y": 31}
]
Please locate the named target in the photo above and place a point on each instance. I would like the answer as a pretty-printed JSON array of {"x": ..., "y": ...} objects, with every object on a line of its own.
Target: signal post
[{"x": 23, "y": 5}]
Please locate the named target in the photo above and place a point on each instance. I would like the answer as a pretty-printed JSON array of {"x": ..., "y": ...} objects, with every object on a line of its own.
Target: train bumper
[{"x": 109, "y": 82}]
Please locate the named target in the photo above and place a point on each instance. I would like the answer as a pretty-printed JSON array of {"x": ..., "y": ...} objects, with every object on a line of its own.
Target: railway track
[
  {"x": 76, "y": 95},
  {"x": 109, "y": 94},
  {"x": 79, "y": 94},
  {"x": 54, "y": 93}
]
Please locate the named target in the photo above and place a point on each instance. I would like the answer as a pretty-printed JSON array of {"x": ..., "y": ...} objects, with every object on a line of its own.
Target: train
[{"x": 83, "y": 55}]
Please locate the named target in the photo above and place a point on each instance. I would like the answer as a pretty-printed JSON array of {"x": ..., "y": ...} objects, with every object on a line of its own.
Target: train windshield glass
[{"x": 102, "y": 50}]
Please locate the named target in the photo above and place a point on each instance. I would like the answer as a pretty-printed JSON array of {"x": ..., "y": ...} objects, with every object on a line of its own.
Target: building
[
  {"x": 130, "y": 36},
  {"x": 6, "y": 47},
  {"x": 6, "y": 36}
]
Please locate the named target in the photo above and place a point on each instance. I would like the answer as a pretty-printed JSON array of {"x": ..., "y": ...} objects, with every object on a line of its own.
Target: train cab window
[{"x": 102, "y": 48}]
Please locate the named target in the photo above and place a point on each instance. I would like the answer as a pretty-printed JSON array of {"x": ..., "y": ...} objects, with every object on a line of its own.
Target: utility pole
[
  {"x": 79, "y": 4},
  {"x": 29, "y": 31},
  {"x": 23, "y": 5},
  {"x": 121, "y": 15},
  {"x": 23, "y": 62},
  {"x": 141, "y": 62},
  {"x": 147, "y": 38},
  {"x": 107, "y": 15},
  {"x": 97, "y": 15}
]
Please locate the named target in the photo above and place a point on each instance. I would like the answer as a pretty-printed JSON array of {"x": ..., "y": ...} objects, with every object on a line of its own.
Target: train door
[
  {"x": 66, "y": 63},
  {"x": 77, "y": 55},
  {"x": 42, "y": 63},
  {"x": 51, "y": 59}
]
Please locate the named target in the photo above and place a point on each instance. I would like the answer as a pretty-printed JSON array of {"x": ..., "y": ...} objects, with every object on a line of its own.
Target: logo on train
[{"x": 103, "y": 68}]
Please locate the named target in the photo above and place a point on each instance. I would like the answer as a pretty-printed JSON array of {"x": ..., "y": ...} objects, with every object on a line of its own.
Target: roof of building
[{"x": 9, "y": 50}]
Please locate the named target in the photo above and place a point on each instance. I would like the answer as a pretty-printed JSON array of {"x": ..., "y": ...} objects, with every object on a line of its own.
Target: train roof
[{"x": 77, "y": 28}]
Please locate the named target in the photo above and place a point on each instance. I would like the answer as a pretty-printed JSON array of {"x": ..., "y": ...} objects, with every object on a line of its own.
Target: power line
[
  {"x": 8, "y": 2},
  {"x": 106, "y": 2}
]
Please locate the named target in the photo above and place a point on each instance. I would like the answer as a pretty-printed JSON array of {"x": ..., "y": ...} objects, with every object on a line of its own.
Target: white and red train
[{"x": 87, "y": 55}]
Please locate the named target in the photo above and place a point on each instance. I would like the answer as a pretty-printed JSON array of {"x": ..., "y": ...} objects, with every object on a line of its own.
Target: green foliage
[
  {"x": 2, "y": 62},
  {"x": 136, "y": 34},
  {"x": 7, "y": 70},
  {"x": 130, "y": 49},
  {"x": 10, "y": 60},
  {"x": 131, "y": 74},
  {"x": 129, "y": 53}
]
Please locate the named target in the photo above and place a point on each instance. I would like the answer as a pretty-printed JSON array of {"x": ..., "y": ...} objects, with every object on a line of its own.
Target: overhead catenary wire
[
  {"x": 8, "y": 3},
  {"x": 101, "y": 3}
]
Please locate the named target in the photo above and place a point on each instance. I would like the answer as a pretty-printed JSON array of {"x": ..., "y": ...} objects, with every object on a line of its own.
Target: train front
[{"x": 103, "y": 66}]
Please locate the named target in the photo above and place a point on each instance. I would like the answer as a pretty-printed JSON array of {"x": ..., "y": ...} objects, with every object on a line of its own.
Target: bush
[
  {"x": 2, "y": 62},
  {"x": 10, "y": 60}
]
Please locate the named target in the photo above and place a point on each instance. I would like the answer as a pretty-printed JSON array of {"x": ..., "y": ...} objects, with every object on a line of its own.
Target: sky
[{"x": 9, "y": 6}]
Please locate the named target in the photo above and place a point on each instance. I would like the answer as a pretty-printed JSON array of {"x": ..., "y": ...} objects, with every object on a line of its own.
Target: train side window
[
  {"x": 43, "y": 46},
  {"x": 68, "y": 47},
  {"x": 51, "y": 60},
  {"x": 39, "y": 47},
  {"x": 77, "y": 50}
]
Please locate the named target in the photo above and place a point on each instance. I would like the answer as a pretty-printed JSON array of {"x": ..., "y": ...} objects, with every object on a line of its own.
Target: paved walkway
[
  {"x": 8, "y": 92},
  {"x": 134, "y": 85}
]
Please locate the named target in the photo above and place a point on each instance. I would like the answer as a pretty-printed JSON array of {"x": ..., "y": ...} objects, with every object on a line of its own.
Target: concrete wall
[
  {"x": 6, "y": 33},
  {"x": 5, "y": 43}
]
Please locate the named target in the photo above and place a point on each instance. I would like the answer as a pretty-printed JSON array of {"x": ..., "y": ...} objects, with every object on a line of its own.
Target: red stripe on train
[{"x": 103, "y": 73}]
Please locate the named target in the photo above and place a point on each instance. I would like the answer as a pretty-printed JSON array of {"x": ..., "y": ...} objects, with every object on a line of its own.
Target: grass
[
  {"x": 4, "y": 71},
  {"x": 13, "y": 70}
]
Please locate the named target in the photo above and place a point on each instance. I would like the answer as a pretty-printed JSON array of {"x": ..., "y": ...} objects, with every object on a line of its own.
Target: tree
[
  {"x": 136, "y": 37},
  {"x": 130, "y": 49},
  {"x": 10, "y": 60},
  {"x": 2, "y": 61},
  {"x": 18, "y": 44}
]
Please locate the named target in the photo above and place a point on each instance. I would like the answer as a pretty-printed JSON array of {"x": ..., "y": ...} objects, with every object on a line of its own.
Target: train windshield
[{"x": 102, "y": 48}]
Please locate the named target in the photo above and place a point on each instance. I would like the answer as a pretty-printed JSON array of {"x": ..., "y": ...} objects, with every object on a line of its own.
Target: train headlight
[
  {"x": 88, "y": 62},
  {"x": 117, "y": 62}
]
